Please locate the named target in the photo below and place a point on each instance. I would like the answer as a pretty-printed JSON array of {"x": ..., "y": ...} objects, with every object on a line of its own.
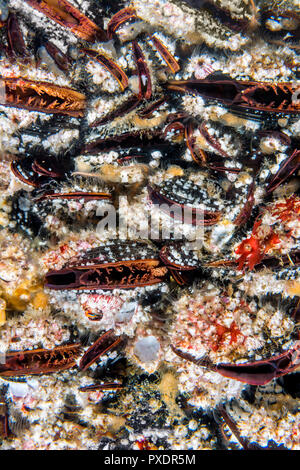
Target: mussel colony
[{"x": 150, "y": 224}]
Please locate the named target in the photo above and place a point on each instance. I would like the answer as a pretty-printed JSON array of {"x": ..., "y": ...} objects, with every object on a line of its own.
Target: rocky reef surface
[{"x": 149, "y": 224}]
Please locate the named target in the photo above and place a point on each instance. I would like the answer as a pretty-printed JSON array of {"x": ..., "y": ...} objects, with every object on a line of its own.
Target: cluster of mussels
[{"x": 149, "y": 160}]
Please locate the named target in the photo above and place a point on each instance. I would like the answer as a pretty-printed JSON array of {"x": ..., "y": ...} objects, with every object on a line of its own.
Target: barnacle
[{"x": 149, "y": 215}]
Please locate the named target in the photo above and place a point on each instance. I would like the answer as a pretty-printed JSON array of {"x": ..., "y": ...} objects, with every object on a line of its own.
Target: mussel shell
[{"x": 183, "y": 191}]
